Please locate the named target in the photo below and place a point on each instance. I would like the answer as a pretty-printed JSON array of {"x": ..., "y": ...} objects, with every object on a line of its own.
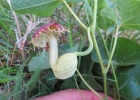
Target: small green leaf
[
  {"x": 129, "y": 13},
  {"x": 129, "y": 78},
  {"x": 34, "y": 62},
  {"x": 107, "y": 18},
  {"x": 41, "y": 8}
]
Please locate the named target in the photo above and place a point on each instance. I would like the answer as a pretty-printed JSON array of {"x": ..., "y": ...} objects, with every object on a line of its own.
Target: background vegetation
[{"x": 23, "y": 76}]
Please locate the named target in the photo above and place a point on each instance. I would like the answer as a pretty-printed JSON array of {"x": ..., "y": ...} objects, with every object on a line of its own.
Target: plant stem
[
  {"x": 69, "y": 26},
  {"x": 93, "y": 35},
  {"x": 109, "y": 62},
  {"x": 19, "y": 32},
  {"x": 116, "y": 81},
  {"x": 97, "y": 49},
  {"x": 75, "y": 78},
  {"x": 113, "y": 49},
  {"x": 90, "y": 45},
  {"x": 100, "y": 34},
  {"x": 80, "y": 22},
  {"x": 114, "y": 75},
  {"x": 105, "y": 86},
  {"x": 88, "y": 85}
]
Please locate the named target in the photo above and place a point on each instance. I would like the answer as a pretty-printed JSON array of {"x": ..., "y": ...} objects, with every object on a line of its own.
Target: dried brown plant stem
[{"x": 19, "y": 31}]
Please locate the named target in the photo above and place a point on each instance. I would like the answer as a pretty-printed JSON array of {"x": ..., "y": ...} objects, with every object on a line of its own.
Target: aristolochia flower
[{"x": 66, "y": 65}]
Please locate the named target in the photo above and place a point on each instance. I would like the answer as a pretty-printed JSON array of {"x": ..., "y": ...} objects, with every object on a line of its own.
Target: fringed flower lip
[{"x": 40, "y": 36}]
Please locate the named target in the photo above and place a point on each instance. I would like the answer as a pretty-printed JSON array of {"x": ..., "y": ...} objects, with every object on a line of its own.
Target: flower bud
[{"x": 66, "y": 66}]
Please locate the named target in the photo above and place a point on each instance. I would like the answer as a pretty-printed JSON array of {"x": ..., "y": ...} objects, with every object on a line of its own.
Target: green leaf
[
  {"x": 128, "y": 77},
  {"x": 108, "y": 13},
  {"x": 129, "y": 13},
  {"x": 41, "y": 8},
  {"x": 86, "y": 66},
  {"x": 110, "y": 3},
  {"x": 37, "y": 71},
  {"x": 50, "y": 80},
  {"x": 127, "y": 52},
  {"x": 65, "y": 48},
  {"x": 107, "y": 18},
  {"x": 91, "y": 82},
  {"x": 34, "y": 62},
  {"x": 88, "y": 7},
  {"x": 101, "y": 4},
  {"x": 68, "y": 83}
]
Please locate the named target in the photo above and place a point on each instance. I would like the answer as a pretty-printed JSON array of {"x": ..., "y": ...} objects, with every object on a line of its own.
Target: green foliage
[
  {"x": 27, "y": 72},
  {"x": 65, "y": 48},
  {"x": 129, "y": 13},
  {"x": 34, "y": 62},
  {"x": 86, "y": 66},
  {"x": 42, "y": 8},
  {"x": 128, "y": 79},
  {"x": 69, "y": 83},
  {"x": 6, "y": 78},
  {"x": 126, "y": 52},
  {"x": 50, "y": 80},
  {"x": 106, "y": 18}
]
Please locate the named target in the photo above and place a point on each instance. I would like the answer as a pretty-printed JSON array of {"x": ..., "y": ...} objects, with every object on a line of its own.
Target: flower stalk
[{"x": 90, "y": 45}]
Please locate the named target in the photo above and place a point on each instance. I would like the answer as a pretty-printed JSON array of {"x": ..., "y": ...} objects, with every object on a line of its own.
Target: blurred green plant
[{"x": 112, "y": 67}]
